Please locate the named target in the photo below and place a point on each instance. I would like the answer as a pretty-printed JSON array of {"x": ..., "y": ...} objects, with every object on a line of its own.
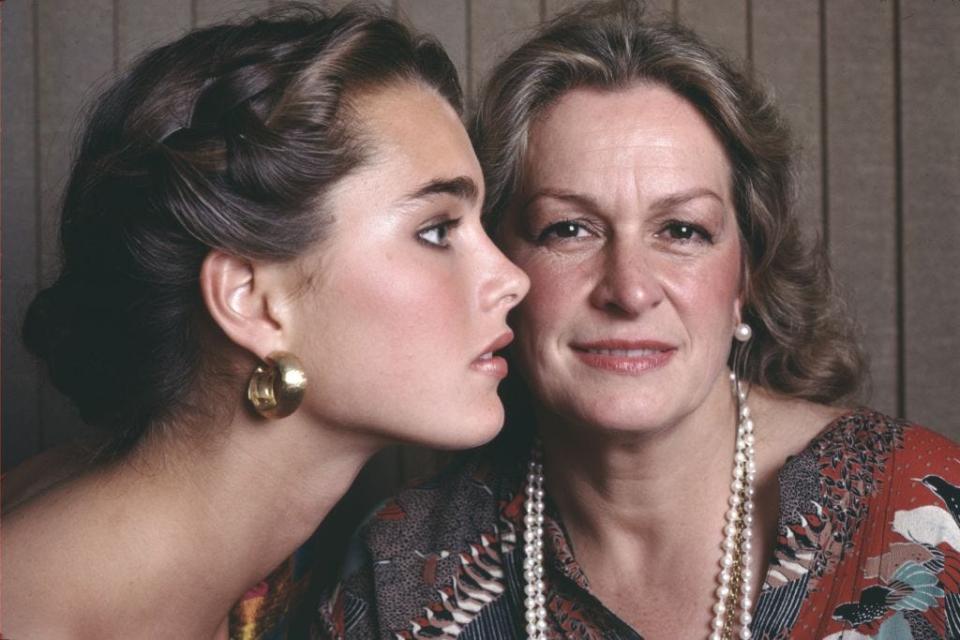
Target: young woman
[{"x": 273, "y": 265}]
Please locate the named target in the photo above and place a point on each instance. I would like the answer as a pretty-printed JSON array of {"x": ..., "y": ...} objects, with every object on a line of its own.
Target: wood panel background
[{"x": 871, "y": 87}]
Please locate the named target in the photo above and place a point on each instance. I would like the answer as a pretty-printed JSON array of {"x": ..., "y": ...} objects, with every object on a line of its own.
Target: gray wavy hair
[{"x": 804, "y": 342}]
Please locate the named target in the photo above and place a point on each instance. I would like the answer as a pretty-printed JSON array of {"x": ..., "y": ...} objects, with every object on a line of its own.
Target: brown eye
[
  {"x": 437, "y": 235},
  {"x": 684, "y": 231},
  {"x": 563, "y": 230},
  {"x": 681, "y": 231}
]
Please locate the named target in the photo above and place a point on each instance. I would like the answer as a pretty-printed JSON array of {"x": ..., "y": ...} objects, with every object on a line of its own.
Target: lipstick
[
  {"x": 490, "y": 363},
  {"x": 628, "y": 357}
]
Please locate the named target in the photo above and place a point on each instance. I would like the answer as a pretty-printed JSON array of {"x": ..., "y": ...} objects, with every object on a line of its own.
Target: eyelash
[
  {"x": 443, "y": 228},
  {"x": 552, "y": 231},
  {"x": 690, "y": 228},
  {"x": 687, "y": 231}
]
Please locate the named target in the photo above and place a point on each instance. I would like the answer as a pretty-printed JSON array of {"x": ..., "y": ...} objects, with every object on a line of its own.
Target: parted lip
[
  {"x": 500, "y": 342},
  {"x": 614, "y": 344},
  {"x": 631, "y": 357}
]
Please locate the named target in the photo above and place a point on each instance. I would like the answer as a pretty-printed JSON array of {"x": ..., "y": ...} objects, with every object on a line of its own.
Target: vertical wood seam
[
  {"x": 41, "y": 435},
  {"x": 824, "y": 130},
  {"x": 469, "y": 81},
  {"x": 116, "y": 36},
  {"x": 749, "y": 34},
  {"x": 898, "y": 213},
  {"x": 193, "y": 14}
]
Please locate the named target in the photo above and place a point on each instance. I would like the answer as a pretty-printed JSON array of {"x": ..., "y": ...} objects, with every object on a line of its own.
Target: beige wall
[{"x": 871, "y": 86}]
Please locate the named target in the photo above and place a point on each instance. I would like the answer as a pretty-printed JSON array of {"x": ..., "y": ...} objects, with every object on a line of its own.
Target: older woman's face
[{"x": 627, "y": 230}]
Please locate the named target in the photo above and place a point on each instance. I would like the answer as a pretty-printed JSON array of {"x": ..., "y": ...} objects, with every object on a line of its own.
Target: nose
[
  {"x": 505, "y": 284},
  {"x": 629, "y": 284}
]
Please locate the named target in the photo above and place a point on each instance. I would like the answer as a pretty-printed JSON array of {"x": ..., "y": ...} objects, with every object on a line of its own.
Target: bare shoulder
[
  {"x": 30, "y": 587},
  {"x": 43, "y": 577},
  {"x": 41, "y": 472}
]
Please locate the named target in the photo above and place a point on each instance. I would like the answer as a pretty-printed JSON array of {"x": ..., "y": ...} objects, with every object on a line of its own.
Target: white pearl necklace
[
  {"x": 536, "y": 600},
  {"x": 734, "y": 580}
]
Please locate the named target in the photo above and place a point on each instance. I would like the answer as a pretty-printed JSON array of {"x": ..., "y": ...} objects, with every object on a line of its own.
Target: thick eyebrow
[{"x": 460, "y": 187}]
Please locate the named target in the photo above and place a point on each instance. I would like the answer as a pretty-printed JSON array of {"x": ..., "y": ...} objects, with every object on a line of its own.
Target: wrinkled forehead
[{"x": 595, "y": 140}]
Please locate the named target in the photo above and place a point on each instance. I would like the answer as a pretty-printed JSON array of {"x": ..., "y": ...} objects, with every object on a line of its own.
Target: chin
[
  {"x": 618, "y": 413},
  {"x": 467, "y": 431}
]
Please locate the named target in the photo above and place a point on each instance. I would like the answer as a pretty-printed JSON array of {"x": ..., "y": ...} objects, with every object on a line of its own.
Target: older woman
[
  {"x": 685, "y": 465},
  {"x": 255, "y": 245}
]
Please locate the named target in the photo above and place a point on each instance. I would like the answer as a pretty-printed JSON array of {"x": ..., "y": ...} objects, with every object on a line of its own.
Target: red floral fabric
[{"x": 868, "y": 547}]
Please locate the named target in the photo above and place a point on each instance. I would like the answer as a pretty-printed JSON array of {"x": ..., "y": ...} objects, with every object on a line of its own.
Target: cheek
[
  {"x": 559, "y": 287},
  {"x": 708, "y": 293},
  {"x": 415, "y": 303},
  {"x": 550, "y": 290},
  {"x": 396, "y": 311}
]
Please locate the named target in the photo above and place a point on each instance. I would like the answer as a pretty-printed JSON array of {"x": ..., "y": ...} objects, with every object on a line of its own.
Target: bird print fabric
[
  {"x": 874, "y": 545},
  {"x": 948, "y": 494}
]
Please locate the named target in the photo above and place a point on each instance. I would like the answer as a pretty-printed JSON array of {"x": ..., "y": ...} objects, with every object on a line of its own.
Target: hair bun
[
  {"x": 68, "y": 326},
  {"x": 49, "y": 319}
]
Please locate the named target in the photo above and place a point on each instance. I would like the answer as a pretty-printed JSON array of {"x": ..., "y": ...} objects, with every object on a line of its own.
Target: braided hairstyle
[{"x": 229, "y": 139}]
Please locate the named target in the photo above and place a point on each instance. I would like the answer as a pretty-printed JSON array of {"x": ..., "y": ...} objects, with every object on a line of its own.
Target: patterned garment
[
  {"x": 265, "y": 611},
  {"x": 868, "y": 547}
]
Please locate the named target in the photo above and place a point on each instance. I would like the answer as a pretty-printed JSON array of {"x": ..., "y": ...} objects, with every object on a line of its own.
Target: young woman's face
[
  {"x": 409, "y": 295},
  {"x": 627, "y": 230}
]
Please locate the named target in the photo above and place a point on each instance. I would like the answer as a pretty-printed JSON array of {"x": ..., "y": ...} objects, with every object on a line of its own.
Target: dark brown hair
[
  {"x": 803, "y": 342},
  {"x": 228, "y": 138}
]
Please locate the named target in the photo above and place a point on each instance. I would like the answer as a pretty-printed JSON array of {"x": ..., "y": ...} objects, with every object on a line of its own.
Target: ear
[{"x": 243, "y": 298}]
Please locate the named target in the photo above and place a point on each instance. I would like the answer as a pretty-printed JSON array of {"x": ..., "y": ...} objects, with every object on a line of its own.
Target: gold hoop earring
[{"x": 277, "y": 387}]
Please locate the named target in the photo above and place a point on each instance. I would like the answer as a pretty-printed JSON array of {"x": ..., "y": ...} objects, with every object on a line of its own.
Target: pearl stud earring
[{"x": 743, "y": 332}]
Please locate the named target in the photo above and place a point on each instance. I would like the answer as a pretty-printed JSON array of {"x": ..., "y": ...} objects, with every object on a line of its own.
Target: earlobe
[
  {"x": 742, "y": 331},
  {"x": 238, "y": 302}
]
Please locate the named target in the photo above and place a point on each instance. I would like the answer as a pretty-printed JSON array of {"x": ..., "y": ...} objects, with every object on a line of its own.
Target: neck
[
  {"x": 638, "y": 508},
  {"x": 641, "y": 485},
  {"x": 222, "y": 516}
]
